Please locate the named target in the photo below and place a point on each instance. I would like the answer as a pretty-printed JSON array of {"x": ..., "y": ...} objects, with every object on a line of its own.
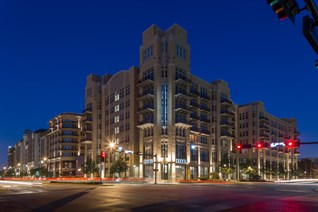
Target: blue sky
[{"x": 47, "y": 49}]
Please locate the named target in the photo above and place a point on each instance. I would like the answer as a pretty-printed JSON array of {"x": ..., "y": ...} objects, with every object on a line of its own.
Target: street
[{"x": 162, "y": 197}]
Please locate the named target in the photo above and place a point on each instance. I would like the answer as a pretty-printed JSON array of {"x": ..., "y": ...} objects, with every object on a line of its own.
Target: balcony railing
[
  {"x": 183, "y": 78},
  {"x": 205, "y": 120},
  {"x": 184, "y": 121},
  {"x": 146, "y": 121},
  {"x": 194, "y": 116},
  {"x": 205, "y": 97},
  {"x": 205, "y": 132},
  {"x": 181, "y": 106},
  {"x": 196, "y": 129},
  {"x": 194, "y": 104},
  {"x": 146, "y": 107}
]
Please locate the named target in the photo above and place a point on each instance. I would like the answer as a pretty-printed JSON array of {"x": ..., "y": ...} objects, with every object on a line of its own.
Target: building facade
[
  {"x": 256, "y": 125},
  {"x": 182, "y": 125},
  {"x": 64, "y": 144}
]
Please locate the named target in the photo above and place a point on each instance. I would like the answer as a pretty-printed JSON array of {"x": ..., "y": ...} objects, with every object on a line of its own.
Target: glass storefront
[
  {"x": 204, "y": 171},
  {"x": 193, "y": 172},
  {"x": 180, "y": 172},
  {"x": 148, "y": 173},
  {"x": 164, "y": 171}
]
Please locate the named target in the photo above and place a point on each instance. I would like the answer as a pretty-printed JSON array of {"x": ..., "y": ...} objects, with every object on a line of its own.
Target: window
[
  {"x": 194, "y": 154},
  {"x": 164, "y": 47},
  {"x": 116, "y": 96},
  {"x": 116, "y": 119},
  {"x": 116, "y": 130},
  {"x": 180, "y": 151},
  {"x": 203, "y": 140},
  {"x": 164, "y": 150},
  {"x": 116, "y": 108},
  {"x": 180, "y": 52},
  {"x": 89, "y": 92},
  {"x": 148, "y": 53}
]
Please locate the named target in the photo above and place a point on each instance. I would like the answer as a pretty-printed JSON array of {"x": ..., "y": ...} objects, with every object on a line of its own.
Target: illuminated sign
[
  {"x": 148, "y": 161},
  {"x": 129, "y": 152},
  {"x": 182, "y": 161},
  {"x": 277, "y": 144}
]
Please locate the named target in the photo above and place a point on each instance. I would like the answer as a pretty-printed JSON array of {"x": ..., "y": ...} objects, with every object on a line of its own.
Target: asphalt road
[{"x": 161, "y": 197}]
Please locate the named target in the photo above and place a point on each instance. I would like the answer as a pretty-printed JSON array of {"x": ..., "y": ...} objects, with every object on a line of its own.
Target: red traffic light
[
  {"x": 239, "y": 146},
  {"x": 289, "y": 143},
  {"x": 259, "y": 145},
  {"x": 103, "y": 154}
]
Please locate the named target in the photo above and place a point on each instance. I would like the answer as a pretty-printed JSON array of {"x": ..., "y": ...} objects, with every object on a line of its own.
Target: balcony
[
  {"x": 87, "y": 111},
  {"x": 205, "y": 108},
  {"x": 227, "y": 134},
  {"x": 146, "y": 94},
  {"x": 194, "y": 93},
  {"x": 146, "y": 123},
  {"x": 194, "y": 104},
  {"x": 182, "y": 123},
  {"x": 145, "y": 81},
  {"x": 227, "y": 124},
  {"x": 192, "y": 116},
  {"x": 87, "y": 120},
  {"x": 195, "y": 129},
  {"x": 182, "y": 79},
  {"x": 204, "y": 120},
  {"x": 181, "y": 93},
  {"x": 181, "y": 107},
  {"x": 226, "y": 113},
  {"x": 205, "y": 97},
  {"x": 226, "y": 102},
  {"x": 146, "y": 108},
  {"x": 206, "y": 132}
]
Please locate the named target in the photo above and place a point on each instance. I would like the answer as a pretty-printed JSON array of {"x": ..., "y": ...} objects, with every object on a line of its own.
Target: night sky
[{"x": 47, "y": 49}]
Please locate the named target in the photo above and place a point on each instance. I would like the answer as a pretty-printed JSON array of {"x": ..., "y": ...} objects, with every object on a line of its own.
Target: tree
[
  {"x": 90, "y": 167},
  {"x": 9, "y": 173},
  {"x": 119, "y": 166},
  {"x": 39, "y": 172}
]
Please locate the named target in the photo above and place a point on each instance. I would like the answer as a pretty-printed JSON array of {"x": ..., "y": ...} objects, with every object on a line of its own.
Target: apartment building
[
  {"x": 11, "y": 155},
  {"x": 160, "y": 109},
  {"x": 256, "y": 125},
  {"x": 64, "y": 144}
]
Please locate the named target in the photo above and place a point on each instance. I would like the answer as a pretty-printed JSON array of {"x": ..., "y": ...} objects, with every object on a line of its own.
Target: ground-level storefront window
[
  {"x": 180, "y": 172},
  {"x": 164, "y": 171},
  {"x": 193, "y": 172},
  {"x": 148, "y": 173}
]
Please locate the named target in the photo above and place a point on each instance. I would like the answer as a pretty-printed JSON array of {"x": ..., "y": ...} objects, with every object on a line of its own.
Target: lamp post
[{"x": 111, "y": 146}]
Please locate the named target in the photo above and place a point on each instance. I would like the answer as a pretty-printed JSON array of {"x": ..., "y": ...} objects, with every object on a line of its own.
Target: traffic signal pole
[{"x": 237, "y": 165}]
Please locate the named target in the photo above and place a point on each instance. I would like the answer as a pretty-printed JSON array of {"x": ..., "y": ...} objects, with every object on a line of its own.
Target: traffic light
[
  {"x": 285, "y": 8},
  {"x": 289, "y": 143},
  {"x": 297, "y": 143},
  {"x": 259, "y": 145},
  {"x": 103, "y": 155},
  {"x": 238, "y": 146},
  {"x": 139, "y": 153}
]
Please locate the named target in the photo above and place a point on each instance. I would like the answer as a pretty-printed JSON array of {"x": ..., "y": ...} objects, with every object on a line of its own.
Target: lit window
[
  {"x": 116, "y": 119},
  {"x": 116, "y": 108},
  {"x": 116, "y": 130},
  {"x": 116, "y": 96}
]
